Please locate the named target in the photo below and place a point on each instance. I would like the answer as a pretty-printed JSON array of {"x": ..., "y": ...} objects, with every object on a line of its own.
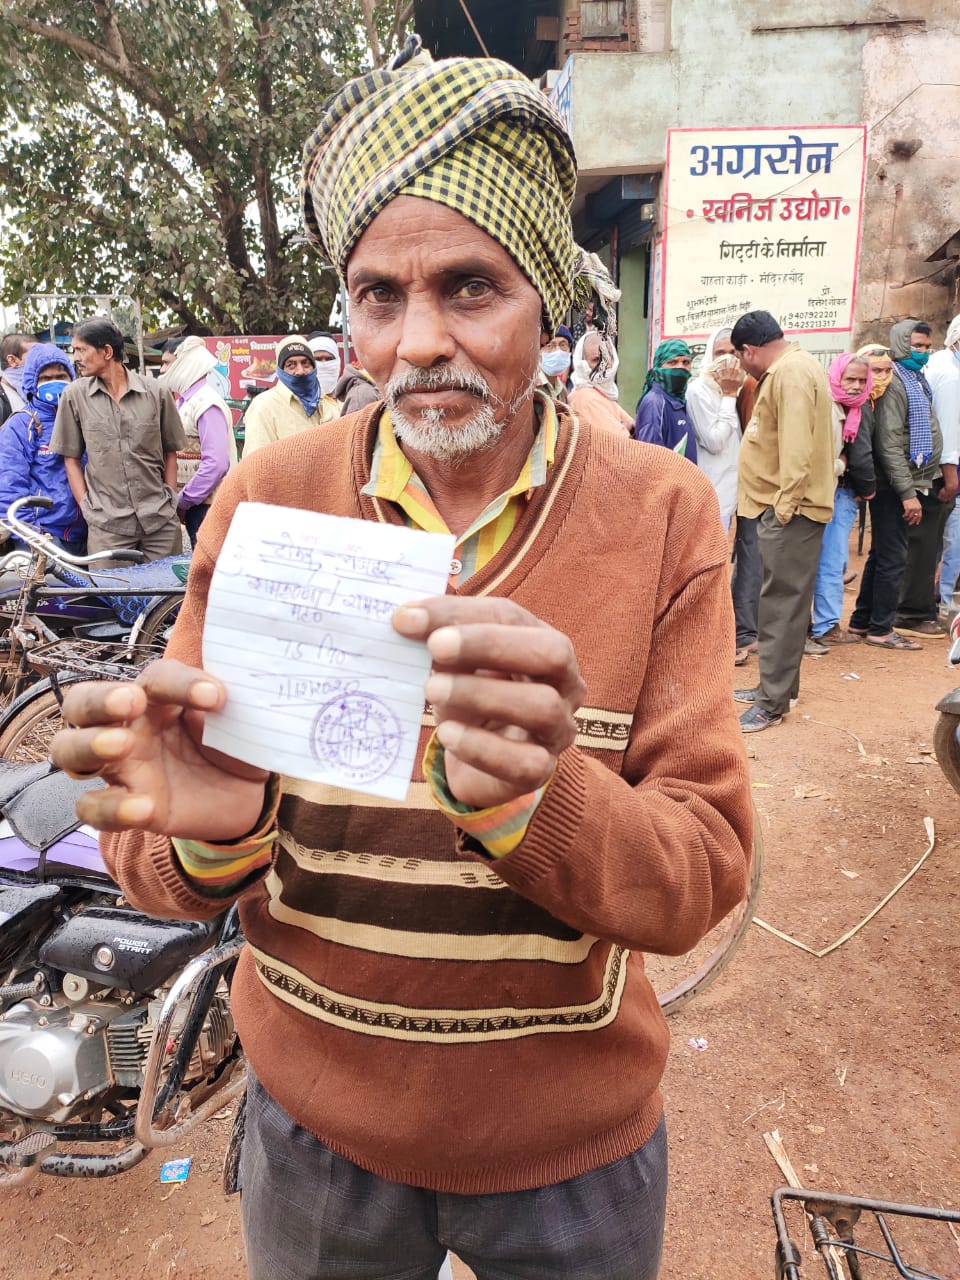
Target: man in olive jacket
[
  {"x": 908, "y": 444},
  {"x": 786, "y": 479}
]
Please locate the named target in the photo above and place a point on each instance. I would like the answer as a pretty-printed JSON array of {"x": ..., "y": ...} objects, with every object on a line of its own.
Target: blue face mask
[
  {"x": 304, "y": 386},
  {"x": 555, "y": 362},
  {"x": 49, "y": 393},
  {"x": 916, "y": 360}
]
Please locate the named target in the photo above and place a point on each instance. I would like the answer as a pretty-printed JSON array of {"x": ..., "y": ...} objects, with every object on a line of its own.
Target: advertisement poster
[
  {"x": 762, "y": 218},
  {"x": 246, "y": 362}
]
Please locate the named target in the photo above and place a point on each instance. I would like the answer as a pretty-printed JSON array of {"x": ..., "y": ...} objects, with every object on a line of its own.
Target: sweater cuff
[
  {"x": 219, "y": 870},
  {"x": 499, "y": 828}
]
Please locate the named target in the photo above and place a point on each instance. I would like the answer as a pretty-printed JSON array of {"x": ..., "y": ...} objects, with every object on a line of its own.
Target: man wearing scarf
[
  {"x": 908, "y": 446},
  {"x": 851, "y": 381},
  {"x": 943, "y": 375},
  {"x": 787, "y": 480},
  {"x": 662, "y": 416},
  {"x": 208, "y": 425},
  {"x": 26, "y": 464},
  {"x": 295, "y": 403},
  {"x": 448, "y": 1046}
]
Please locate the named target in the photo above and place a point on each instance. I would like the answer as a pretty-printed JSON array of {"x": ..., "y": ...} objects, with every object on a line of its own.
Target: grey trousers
[
  {"x": 309, "y": 1214},
  {"x": 790, "y": 555}
]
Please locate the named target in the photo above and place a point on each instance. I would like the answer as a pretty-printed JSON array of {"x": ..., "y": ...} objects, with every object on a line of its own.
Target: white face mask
[{"x": 328, "y": 375}]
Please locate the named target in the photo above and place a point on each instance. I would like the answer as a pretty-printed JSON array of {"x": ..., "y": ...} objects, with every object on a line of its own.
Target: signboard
[{"x": 762, "y": 219}]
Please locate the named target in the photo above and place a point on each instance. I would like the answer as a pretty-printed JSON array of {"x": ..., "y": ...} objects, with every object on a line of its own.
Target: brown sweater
[{"x": 476, "y": 1026}]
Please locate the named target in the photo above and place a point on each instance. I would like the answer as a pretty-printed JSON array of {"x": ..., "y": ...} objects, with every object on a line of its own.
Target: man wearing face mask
[
  {"x": 662, "y": 416},
  {"x": 295, "y": 403},
  {"x": 327, "y": 355},
  {"x": 26, "y": 464},
  {"x": 908, "y": 445},
  {"x": 556, "y": 357}
]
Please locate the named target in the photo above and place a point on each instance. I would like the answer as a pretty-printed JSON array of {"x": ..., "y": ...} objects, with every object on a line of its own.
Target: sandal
[
  {"x": 857, "y": 631},
  {"x": 893, "y": 641}
]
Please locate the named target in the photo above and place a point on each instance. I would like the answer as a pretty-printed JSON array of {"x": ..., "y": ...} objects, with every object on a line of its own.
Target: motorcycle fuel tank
[{"x": 117, "y": 947}]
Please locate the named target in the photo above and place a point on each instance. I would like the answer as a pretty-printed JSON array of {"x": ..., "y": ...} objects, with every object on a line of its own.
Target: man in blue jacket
[
  {"x": 662, "y": 416},
  {"x": 26, "y": 464}
]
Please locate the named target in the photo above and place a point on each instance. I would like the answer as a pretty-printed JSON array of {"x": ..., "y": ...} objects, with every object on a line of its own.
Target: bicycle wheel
[
  {"x": 157, "y": 623},
  {"x": 27, "y": 727},
  {"x": 947, "y": 748},
  {"x": 677, "y": 979}
]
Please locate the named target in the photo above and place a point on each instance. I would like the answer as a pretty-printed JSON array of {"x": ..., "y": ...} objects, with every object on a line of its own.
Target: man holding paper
[{"x": 452, "y": 1041}]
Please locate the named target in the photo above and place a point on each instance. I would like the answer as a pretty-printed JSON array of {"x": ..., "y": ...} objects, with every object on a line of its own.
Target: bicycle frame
[
  {"x": 29, "y": 636},
  {"x": 831, "y": 1221}
]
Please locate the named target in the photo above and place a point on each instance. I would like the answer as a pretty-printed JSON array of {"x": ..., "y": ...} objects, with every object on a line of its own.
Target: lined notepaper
[{"x": 319, "y": 685}]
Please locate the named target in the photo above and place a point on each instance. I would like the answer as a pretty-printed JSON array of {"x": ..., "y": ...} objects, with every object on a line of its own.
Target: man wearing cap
[
  {"x": 451, "y": 1038},
  {"x": 295, "y": 403}
]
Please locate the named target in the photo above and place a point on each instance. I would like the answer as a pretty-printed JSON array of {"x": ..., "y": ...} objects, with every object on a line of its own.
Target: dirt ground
[{"x": 853, "y": 1058}]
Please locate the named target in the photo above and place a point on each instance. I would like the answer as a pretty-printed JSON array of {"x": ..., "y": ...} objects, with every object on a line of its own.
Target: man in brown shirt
[
  {"x": 130, "y": 431},
  {"x": 786, "y": 481}
]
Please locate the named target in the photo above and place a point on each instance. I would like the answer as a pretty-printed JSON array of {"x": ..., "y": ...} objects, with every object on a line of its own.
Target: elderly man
[
  {"x": 295, "y": 403},
  {"x": 450, "y": 1043}
]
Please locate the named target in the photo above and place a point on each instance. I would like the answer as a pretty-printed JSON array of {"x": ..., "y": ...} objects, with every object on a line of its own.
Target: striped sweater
[{"x": 476, "y": 1026}]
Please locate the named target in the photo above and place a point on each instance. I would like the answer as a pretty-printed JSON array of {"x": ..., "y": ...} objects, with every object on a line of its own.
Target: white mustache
[{"x": 440, "y": 378}]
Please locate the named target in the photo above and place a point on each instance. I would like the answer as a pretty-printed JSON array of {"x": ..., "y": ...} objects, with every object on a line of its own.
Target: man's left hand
[
  {"x": 950, "y": 483},
  {"x": 504, "y": 689}
]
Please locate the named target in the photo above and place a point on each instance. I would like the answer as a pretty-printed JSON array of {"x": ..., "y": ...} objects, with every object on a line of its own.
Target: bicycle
[
  {"x": 831, "y": 1220},
  {"x": 677, "y": 979},
  {"x": 35, "y": 660}
]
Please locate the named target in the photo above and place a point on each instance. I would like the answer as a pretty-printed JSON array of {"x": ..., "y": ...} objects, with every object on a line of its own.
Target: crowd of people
[
  {"x": 786, "y": 442},
  {"x": 133, "y": 461},
  {"x": 130, "y": 461}
]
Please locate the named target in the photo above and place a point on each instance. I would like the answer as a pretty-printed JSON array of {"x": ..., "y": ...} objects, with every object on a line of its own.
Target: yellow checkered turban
[{"x": 470, "y": 133}]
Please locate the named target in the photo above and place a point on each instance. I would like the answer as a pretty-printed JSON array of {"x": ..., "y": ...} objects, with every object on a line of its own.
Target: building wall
[
  {"x": 758, "y": 63},
  {"x": 912, "y": 197}
]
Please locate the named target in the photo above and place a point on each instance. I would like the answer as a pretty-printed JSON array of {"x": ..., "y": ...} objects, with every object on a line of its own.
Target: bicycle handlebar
[{"x": 43, "y": 542}]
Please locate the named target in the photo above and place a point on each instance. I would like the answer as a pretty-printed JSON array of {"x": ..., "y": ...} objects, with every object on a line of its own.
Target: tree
[{"x": 156, "y": 148}]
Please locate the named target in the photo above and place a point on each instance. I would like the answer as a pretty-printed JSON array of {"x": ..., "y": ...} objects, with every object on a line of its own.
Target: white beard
[{"x": 430, "y": 435}]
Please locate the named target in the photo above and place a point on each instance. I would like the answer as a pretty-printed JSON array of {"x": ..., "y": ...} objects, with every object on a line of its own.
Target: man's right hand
[
  {"x": 730, "y": 377},
  {"x": 144, "y": 739},
  {"x": 912, "y": 510}
]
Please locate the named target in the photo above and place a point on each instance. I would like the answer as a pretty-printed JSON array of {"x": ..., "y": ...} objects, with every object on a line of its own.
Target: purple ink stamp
[{"x": 357, "y": 735}]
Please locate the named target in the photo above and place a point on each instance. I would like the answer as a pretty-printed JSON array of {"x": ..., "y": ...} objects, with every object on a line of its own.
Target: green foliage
[{"x": 154, "y": 148}]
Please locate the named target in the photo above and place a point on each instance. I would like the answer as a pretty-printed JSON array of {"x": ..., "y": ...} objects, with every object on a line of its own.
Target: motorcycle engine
[{"x": 62, "y": 1054}]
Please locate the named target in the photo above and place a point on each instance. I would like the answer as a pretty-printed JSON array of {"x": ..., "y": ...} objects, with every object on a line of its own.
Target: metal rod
[{"x": 473, "y": 27}]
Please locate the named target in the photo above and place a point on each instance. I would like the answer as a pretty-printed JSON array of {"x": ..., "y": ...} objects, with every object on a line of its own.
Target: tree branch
[{"x": 367, "y": 10}]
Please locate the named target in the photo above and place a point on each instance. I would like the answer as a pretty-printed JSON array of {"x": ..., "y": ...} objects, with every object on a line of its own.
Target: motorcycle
[{"x": 115, "y": 1028}]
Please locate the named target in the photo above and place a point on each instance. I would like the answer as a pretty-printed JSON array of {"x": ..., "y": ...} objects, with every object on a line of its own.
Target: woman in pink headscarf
[{"x": 851, "y": 380}]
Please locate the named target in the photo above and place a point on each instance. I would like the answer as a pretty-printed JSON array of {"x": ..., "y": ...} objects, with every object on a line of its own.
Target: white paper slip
[{"x": 319, "y": 684}]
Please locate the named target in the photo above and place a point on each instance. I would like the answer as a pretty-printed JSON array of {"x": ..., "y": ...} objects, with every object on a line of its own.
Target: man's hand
[
  {"x": 912, "y": 510},
  {"x": 504, "y": 689},
  {"x": 950, "y": 482},
  {"x": 730, "y": 377},
  {"x": 144, "y": 740}
]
